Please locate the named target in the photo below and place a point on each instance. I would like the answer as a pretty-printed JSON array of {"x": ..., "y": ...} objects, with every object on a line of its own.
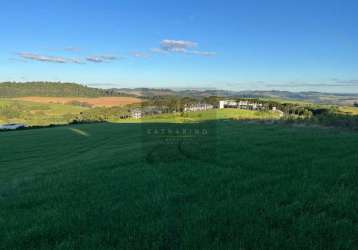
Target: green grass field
[
  {"x": 119, "y": 186},
  {"x": 31, "y": 113}
]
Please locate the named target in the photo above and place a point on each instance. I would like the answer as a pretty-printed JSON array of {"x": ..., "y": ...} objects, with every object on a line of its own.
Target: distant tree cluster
[
  {"x": 177, "y": 103},
  {"x": 100, "y": 114},
  {"x": 169, "y": 103},
  {"x": 51, "y": 89}
]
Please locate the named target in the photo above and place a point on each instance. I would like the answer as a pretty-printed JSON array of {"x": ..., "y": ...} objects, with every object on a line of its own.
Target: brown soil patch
[{"x": 96, "y": 102}]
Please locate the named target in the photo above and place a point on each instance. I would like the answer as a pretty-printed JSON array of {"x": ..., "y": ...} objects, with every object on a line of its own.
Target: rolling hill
[
  {"x": 54, "y": 89},
  {"x": 314, "y": 97}
]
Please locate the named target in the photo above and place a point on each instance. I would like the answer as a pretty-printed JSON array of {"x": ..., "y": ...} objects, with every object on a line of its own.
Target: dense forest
[{"x": 49, "y": 89}]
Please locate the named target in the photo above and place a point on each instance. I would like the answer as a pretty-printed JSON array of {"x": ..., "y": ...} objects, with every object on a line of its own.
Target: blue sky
[{"x": 238, "y": 45}]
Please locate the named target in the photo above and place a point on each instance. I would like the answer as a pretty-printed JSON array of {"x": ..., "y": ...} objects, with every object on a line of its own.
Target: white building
[
  {"x": 240, "y": 104},
  {"x": 198, "y": 107},
  {"x": 228, "y": 104},
  {"x": 243, "y": 103},
  {"x": 222, "y": 104},
  {"x": 137, "y": 114}
]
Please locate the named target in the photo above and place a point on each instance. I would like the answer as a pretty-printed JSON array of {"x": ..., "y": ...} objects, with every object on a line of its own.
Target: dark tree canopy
[{"x": 15, "y": 89}]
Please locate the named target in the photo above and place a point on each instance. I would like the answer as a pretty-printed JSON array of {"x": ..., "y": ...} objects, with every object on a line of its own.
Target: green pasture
[{"x": 132, "y": 186}]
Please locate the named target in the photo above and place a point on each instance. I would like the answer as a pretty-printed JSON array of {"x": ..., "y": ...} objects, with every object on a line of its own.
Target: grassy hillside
[
  {"x": 116, "y": 186},
  {"x": 349, "y": 110},
  {"x": 13, "y": 89},
  {"x": 30, "y": 113}
]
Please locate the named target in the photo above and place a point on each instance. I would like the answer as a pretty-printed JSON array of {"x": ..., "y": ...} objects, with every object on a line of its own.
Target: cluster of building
[
  {"x": 138, "y": 113},
  {"x": 240, "y": 105},
  {"x": 243, "y": 104},
  {"x": 248, "y": 105},
  {"x": 197, "y": 107}
]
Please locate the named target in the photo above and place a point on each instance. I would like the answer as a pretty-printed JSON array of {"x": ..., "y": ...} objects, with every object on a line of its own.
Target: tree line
[{"x": 52, "y": 89}]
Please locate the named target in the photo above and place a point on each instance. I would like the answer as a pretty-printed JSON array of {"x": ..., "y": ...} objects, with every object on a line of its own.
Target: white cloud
[
  {"x": 177, "y": 45},
  {"x": 94, "y": 59},
  {"x": 60, "y": 59},
  {"x": 101, "y": 58},
  {"x": 45, "y": 58},
  {"x": 108, "y": 57},
  {"x": 180, "y": 46}
]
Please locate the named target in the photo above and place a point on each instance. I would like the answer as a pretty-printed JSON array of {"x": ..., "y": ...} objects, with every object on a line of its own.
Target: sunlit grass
[
  {"x": 350, "y": 110},
  {"x": 31, "y": 113},
  {"x": 245, "y": 186}
]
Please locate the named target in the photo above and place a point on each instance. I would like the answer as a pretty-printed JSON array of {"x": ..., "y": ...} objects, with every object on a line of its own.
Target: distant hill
[
  {"x": 55, "y": 89},
  {"x": 315, "y": 97},
  {"x": 51, "y": 89}
]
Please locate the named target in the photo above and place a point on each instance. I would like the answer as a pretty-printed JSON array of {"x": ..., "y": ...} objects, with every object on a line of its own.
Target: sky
[{"x": 237, "y": 45}]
